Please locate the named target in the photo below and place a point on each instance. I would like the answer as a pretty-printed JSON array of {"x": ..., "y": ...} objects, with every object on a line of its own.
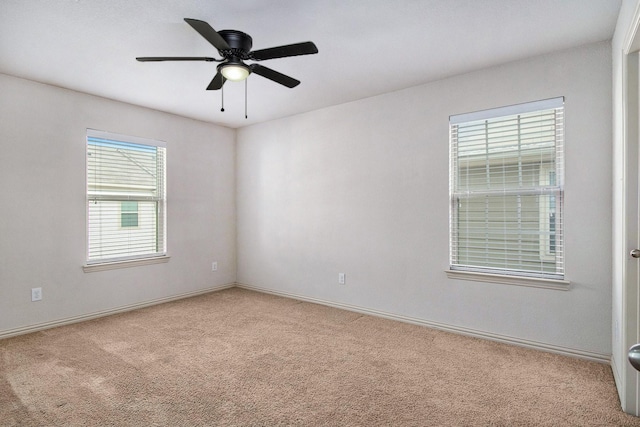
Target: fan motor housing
[{"x": 238, "y": 41}]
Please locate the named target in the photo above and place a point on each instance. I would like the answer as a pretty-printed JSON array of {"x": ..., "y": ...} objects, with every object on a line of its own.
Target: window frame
[
  {"x": 160, "y": 255},
  {"x": 488, "y": 273}
]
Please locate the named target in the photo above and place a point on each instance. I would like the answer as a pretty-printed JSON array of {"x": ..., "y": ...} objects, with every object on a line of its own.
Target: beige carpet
[{"x": 241, "y": 358}]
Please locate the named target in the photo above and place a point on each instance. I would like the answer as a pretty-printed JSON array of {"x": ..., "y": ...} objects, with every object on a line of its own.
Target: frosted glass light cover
[{"x": 235, "y": 73}]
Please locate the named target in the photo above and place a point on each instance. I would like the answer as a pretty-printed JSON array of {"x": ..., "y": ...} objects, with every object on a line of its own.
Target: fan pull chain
[
  {"x": 222, "y": 96},
  {"x": 245, "y": 98}
]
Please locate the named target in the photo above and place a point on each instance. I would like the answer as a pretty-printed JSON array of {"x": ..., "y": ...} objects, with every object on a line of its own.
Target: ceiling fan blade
[
  {"x": 173, "y": 58},
  {"x": 208, "y": 33},
  {"x": 305, "y": 48},
  {"x": 277, "y": 77},
  {"x": 217, "y": 82}
]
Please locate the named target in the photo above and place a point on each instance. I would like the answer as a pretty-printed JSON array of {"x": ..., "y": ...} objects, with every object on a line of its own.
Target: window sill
[
  {"x": 90, "y": 268},
  {"x": 560, "y": 285}
]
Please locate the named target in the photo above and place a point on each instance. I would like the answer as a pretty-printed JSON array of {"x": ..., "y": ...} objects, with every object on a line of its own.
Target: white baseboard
[
  {"x": 84, "y": 317},
  {"x": 582, "y": 354},
  {"x": 566, "y": 351}
]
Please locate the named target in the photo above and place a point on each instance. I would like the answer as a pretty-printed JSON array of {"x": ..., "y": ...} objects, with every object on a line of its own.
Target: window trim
[
  {"x": 505, "y": 279},
  {"x": 114, "y": 265},
  {"x": 496, "y": 275}
]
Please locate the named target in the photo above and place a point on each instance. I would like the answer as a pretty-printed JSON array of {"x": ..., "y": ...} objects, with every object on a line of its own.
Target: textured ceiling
[{"x": 366, "y": 47}]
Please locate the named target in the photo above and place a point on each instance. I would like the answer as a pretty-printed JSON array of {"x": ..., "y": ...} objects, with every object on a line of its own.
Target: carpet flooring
[{"x": 242, "y": 358}]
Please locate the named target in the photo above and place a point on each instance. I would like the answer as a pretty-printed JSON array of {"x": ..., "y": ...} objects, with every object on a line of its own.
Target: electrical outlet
[
  {"x": 36, "y": 294},
  {"x": 341, "y": 278},
  {"x": 214, "y": 266}
]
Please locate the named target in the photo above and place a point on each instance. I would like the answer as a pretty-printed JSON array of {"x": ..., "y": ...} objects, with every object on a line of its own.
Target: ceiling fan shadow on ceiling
[{"x": 235, "y": 47}]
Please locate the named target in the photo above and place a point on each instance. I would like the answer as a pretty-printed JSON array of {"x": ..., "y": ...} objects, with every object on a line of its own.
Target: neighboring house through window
[
  {"x": 126, "y": 212},
  {"x": 506, "y": 190}
]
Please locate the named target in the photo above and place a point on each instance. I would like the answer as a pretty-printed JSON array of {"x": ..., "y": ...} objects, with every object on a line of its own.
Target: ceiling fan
[{"x": 235, "y": 47}]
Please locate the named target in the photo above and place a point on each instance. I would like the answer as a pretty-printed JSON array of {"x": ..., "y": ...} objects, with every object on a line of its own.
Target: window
[
  {"x": 128, "y": 214},
  {"x": 126, "y": 205},
  {"x": 506, "y": 190}
]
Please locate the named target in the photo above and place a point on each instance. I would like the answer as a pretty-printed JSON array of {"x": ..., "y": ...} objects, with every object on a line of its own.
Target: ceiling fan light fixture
[
  {"x": 234, "y": 47},
  {"x": 235, "y": 72}
]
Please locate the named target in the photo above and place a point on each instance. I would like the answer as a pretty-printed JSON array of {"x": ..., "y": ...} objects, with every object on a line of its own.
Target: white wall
[
  {"x": 42, "y": 215},
  {"x": 362, "y": 188}
]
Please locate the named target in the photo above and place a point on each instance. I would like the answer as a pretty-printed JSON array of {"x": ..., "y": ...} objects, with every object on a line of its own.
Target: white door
[
  {"x": 631, "y": 309},
  {"x": 627, "y": 321}
]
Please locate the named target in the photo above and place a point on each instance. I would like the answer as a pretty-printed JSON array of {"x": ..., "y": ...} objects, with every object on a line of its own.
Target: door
[{"x": 626, "y": 309}]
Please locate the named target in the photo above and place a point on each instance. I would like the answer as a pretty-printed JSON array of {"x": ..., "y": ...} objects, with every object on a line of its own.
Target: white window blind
[
  {"x": 506, "y": 190},
  {"x": 126, "y": 204}
]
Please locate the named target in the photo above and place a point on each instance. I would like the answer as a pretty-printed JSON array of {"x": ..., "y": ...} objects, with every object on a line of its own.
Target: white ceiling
[{"x": 366, "y": 47}]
